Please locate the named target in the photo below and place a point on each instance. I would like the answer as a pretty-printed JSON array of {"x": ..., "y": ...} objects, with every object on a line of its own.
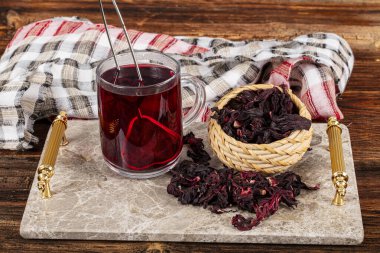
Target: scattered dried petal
[
  {"x": 196, "y": 151},
  {"x": 197, "y": 184}
]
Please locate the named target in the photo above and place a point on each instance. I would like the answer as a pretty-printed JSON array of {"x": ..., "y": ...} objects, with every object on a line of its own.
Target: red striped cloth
[{"x": 49, "y": 66}]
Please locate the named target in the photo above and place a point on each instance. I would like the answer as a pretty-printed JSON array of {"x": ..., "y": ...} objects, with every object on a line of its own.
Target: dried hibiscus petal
[
  {"x": 196, "y": 151},
  {"x": 243, "y": 223},
  {"x": 260, "y": 116},
  {"x": 221, "y": 189}
]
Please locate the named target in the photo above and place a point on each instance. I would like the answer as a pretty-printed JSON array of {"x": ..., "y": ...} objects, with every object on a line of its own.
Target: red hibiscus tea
[
  {"x": 140, "y": 122},
  {"x": 140, "y": 132}
]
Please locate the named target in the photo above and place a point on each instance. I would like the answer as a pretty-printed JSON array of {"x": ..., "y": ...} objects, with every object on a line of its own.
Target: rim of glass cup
[{"x": 138, "y": 90}]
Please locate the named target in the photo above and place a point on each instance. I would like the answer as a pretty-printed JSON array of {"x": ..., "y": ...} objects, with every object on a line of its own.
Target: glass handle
[{"x": 198, "y": 87}]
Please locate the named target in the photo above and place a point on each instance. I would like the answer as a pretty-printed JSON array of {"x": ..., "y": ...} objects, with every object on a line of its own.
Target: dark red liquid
[{"x": 140, "y": 132}]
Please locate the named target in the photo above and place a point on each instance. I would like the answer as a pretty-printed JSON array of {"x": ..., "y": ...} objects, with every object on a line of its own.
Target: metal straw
[
  {"x": 108, "y": 35},
  {"x": 126, "y": 35},
  {"x": 128, "y": 39}
]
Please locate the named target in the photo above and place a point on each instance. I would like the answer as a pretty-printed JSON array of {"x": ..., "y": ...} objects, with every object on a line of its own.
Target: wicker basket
[{"x": 269, "y": 158}]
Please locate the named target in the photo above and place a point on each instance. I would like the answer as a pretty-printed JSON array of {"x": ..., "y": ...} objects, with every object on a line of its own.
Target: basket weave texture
[{"x": 269, "y": 158}]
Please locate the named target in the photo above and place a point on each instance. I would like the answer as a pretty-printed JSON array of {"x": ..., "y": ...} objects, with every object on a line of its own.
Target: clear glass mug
[{"x": 141, "y": 125}]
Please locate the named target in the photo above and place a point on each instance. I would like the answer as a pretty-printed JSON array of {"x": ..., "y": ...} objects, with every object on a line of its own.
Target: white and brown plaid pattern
[{"x": 49, "y": 66}]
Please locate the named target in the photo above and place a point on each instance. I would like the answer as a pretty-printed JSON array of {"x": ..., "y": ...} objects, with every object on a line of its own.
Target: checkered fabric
[{"x": 50, "y": 65}]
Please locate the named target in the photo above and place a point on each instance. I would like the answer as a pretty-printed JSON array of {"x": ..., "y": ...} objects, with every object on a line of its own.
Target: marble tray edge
[{"x": 190, "y": 238}]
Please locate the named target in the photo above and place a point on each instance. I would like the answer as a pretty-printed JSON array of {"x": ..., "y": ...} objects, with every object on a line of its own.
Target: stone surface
[{"x": 91, "y": 202}]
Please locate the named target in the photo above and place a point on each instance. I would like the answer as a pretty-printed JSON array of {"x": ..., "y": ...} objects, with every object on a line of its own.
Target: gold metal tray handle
[
  {"x": 339, "y": 176},
  {"x": 55, "y": 139}
]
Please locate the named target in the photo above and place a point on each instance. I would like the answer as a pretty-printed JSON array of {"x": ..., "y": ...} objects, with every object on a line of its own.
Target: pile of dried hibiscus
[
  {"x": 260, "y": 116},
  {"x": 222, "y": 189}
]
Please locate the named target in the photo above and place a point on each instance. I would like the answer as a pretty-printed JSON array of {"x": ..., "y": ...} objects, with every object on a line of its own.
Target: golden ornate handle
[
  {"x": 55, "y": 139},
  {"x": 339, "y": 176}
]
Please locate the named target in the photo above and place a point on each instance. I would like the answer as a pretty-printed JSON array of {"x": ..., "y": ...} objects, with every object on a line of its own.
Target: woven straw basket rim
[{"x": 228, "y": 148}]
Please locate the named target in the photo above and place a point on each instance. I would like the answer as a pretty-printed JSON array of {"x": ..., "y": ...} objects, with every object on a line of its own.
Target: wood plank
[
  {"x": 245, "y": 21},
  {"x": 360, "y": 109},
  {"x": 355, "y": 20}
]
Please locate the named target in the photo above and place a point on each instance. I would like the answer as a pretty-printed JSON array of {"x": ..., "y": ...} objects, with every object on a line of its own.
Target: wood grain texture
[{"x": 357, "y": 21}]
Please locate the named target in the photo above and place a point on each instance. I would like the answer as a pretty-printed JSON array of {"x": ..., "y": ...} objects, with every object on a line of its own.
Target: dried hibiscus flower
[
  {"x": 196, "y": 151},
  {"x": 200, "y": 185},
  {"x": 260, "y": 116}
]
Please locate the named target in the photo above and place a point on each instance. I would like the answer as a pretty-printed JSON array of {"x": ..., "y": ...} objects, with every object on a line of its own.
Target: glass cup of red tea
[{"x": 141, "y": 123}]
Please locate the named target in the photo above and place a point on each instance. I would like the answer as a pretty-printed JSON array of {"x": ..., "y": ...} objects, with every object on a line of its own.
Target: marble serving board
[{"x": 91, "y": 202}]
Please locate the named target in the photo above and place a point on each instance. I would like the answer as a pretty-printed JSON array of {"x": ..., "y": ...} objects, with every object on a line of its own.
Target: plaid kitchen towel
[{"x": 49, "y": 66}]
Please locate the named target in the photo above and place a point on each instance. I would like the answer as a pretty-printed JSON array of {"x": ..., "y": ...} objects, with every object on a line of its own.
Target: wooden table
[{"x": 357, "y": 21}]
